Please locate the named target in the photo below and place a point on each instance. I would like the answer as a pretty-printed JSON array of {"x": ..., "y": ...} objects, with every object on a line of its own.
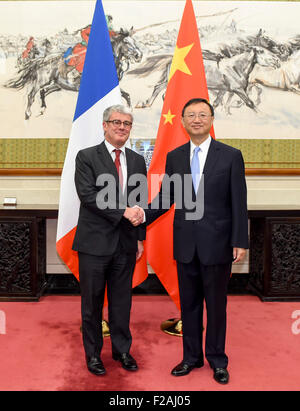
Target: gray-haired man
[{"x": 107, "y": 240}]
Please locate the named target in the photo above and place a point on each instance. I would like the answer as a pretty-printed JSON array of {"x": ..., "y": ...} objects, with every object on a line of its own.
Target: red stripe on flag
[{"x": 70, "y": 258}]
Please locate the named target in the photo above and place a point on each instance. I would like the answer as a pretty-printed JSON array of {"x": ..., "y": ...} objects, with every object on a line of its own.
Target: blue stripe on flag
[{"x": 99, "y": 75}]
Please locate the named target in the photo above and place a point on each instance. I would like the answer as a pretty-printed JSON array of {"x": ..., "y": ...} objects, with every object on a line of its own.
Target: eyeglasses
[
  {"x": 192, "y": 116},
  {"x": 118, "y": 123}
]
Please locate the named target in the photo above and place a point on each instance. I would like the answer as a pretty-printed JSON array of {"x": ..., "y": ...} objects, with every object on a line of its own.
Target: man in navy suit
[
  {"x": 208, "y": 237},
  {"x": 107, "y": 238}
]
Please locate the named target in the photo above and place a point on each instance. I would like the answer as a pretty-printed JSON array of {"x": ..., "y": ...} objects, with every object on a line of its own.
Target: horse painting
[
  {"x": 224, "y": 76},
  {"x": 231, "y": 77},
  {"x": 286, "y": 77},
  {"x": 228, "y": 71},
  {"x": 50, "y": 73}
]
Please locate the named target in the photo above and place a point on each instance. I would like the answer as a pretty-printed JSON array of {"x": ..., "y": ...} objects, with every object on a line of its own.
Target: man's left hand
[
  {"x": 238, "y": 254},
  {"x": 140, "y": 250}
]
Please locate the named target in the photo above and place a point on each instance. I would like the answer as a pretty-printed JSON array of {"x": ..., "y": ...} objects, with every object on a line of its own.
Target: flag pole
[{"x": 105, "y": 328}]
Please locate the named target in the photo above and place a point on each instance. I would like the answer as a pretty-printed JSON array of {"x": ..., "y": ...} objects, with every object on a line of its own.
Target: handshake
[{"x": 135, "y": 215}]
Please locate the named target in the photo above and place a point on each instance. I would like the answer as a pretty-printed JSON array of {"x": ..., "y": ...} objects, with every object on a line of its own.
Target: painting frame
[{"x": 28, "y": 165}]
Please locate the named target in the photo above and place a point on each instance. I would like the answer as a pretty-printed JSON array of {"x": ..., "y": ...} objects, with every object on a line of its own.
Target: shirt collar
[
  {"x": 111, "y": 148},
  {"x": 204, "y": 146}
]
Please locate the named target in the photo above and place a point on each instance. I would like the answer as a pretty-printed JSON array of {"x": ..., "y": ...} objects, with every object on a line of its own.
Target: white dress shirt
[{"x": 123, "y": 163}]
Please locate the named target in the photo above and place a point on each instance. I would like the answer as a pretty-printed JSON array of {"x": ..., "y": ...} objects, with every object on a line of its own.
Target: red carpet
[{"x": 41, "y": 348}]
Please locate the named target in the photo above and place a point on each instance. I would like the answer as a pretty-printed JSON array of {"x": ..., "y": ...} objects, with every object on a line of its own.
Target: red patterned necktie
[{"x": 118, "y": 166}]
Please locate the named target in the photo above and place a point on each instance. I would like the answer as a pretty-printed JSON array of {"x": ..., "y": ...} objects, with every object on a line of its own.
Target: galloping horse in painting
[
  {"x": 223, "y": 75},
  {"x": 51, "y": 73},
  {"x": 227, "y": 71},
  {"x": 286, "y": 77},
  {"x": 231, "y": 77},
  {"x": 126, "y": 51}
]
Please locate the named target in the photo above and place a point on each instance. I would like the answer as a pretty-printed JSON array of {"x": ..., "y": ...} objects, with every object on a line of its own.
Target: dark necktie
[{"x": 118, "y": 166}]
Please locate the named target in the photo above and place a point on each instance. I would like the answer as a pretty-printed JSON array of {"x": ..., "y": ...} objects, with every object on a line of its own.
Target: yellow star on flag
[
  {"x": 178, "y": 62},
  {"x": 169, "y": 117}
]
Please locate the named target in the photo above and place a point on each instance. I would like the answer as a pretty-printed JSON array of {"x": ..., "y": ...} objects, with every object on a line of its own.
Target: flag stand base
[
  {"x": 173, "y": 326},
  {"x": 105, "y": 328}
]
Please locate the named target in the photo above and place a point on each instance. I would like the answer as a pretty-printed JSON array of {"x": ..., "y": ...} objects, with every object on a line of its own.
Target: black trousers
[
  {"x": 95, "y": 273},
  {"x": 199, "y": 283}
]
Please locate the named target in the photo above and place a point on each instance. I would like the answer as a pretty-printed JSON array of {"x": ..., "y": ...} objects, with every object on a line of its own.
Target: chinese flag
[{"x": 186, "y": 81}]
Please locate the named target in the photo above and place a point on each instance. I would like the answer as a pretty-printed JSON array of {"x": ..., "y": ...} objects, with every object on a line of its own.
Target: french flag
[{"x": 99, "y": 89}]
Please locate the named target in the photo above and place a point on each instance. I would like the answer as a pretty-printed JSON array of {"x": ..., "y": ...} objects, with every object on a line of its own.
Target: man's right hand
[{"x": 134, "y": 214}]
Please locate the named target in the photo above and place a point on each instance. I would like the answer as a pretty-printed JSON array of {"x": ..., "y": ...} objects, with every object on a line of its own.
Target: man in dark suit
[
  {"x": 106, "y": 239},
  {"x": 210, "y": 231}
]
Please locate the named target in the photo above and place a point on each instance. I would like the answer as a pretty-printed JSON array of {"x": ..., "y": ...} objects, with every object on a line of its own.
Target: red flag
[{"x": 186, "y": 81}]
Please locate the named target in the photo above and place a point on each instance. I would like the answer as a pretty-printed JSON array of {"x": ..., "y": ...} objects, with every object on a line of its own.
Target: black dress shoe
[
  {"x": 95, "y": 365},
  {"x": 127, "y": 361},
  {"x": 184, "y": 368},
  {"x": 221, "y": 375}
]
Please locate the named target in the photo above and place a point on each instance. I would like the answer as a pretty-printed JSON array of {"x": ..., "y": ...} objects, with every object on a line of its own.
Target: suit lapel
[
  {"x": 211, "y": 159},
  {"x": 130, "y": 162},
  {"x": 185, "y": 158},
  {"x": 107, "y": 161},
  {"x": 109, "y": 165},
  {"x": 185, "y": 163}
]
